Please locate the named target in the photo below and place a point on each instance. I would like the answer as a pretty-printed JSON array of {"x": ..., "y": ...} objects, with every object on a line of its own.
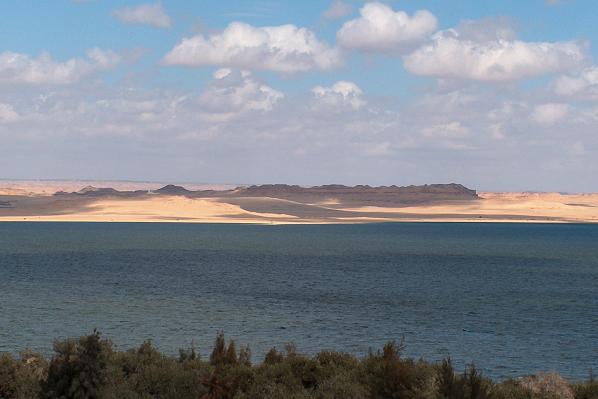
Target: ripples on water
[{"x": 514, "y": 298}]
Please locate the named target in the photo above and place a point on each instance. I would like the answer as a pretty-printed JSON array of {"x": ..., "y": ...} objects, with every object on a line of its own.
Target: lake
[{"x": 514, "y": 298}]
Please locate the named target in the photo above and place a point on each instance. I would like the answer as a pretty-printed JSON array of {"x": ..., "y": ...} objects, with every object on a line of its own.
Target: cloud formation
[
  {"x": 450, "y": 130},
  {"x": 340, "y": 95},
  {"x": 144, "y": 14},
  {"x": 583, "y": 86},
  {"x": 492, "y": 55},
  {"x": 233, "y": 93},
  {"x": 381, "y": 29},
  {"x": 7, "y": 113},
  {"x": 17, "y": 68},
  {"x": 237, "y": 127},
  {"x": 241, "y": 127},
  {"x": 284, "y": 49},
  {"x": 338, "y": 9},
  {"x": 549, "y": 114}
]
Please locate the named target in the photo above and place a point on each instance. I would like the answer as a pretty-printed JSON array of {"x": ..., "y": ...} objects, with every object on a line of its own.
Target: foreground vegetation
[{"x": 89, "y": 367}]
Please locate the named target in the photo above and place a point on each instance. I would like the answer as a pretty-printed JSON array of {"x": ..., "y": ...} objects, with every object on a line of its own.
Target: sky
[{"x": 495, "y": 95}]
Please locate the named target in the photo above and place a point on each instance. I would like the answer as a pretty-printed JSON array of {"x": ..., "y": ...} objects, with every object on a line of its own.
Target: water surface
[{"x": 514, "y": 298}]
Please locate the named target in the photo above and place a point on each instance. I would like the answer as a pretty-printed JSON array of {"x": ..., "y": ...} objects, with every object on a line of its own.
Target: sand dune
[
  {"x": 527, "y": 207},
  {"x": 147, "y": 209}
]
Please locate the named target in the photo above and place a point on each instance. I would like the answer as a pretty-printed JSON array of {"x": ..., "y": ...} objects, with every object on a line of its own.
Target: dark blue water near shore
[{"x": 515, "y": 298}]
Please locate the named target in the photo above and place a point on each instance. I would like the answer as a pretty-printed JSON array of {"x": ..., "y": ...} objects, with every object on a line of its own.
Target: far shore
[{"x": 38, "y": 202}]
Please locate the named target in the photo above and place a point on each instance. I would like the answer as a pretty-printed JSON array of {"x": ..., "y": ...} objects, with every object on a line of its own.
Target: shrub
[
  {"x": 548, "y": 385},
  {"x": 77, "y": 370},
  {"x": 245, "y": 356},
  {"x": 586, "y": 390},
  {"x": 8, "y": 370},
  {"x": 219, "y": 351},
  {"x": 89, "y": 368},
  {"x": 231, "y": 353},
  {"x": 273, "y": 357},
  {"x": 190, "y": 354}
]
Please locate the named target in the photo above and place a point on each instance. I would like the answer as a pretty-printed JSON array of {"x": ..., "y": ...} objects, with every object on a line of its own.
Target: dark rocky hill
[
  {"x": 171, "y": 189},
  {"x": 330, "y": 195},
  {"x": 362, "y": 195}
]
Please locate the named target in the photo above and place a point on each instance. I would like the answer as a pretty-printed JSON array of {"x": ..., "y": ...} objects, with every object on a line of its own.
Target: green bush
[
  {"x": 587, "y": 390},
  {"x": 78, "y": 369},
  {"x": 89, "y": 368},
  {"x": 22, "y": 378}
]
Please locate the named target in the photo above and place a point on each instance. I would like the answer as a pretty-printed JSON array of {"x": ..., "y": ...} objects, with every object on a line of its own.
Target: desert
[{"x": 64, "y": 201}]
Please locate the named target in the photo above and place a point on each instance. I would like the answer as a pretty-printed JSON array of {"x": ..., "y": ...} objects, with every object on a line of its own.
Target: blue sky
[
  {"x": 67, "y": 28},
  {"x": 495, "y": 95}
]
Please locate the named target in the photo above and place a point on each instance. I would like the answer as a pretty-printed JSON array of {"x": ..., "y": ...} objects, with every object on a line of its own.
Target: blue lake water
[{"x": 514, "y": 298}]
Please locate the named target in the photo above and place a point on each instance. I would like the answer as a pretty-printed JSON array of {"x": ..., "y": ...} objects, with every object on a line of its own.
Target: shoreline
[{"x": 301, "y": 223}]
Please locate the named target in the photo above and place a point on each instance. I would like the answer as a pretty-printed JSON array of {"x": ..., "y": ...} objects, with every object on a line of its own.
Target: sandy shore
[
  {"x": 514, "y": 207},
  {"x": 35, "y": 202}
]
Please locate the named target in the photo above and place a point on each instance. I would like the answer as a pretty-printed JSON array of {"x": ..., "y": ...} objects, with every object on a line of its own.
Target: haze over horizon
[
  {"x": 47, "y": 186},
  {"x": 497, "y": 96}
]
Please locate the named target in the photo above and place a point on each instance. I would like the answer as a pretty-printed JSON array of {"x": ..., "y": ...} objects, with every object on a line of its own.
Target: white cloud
[
  {"x": 144, "y": 14},
  {"x": 7, "y": 113},
  {"x": 339, "y": 95},
  {"x": 378, "y": 149},
  {"x": 284, "y": 49},
  {"x": 380, "y": 29},
  {"x": 470, "y": 117},
  {"x": 450, "y": 130},
  {"x": 497, "y": 131},
  {"x": 583, "y": 86},
  {"x": 221, "y": 73},
  {"x": 549, "y": 114},
  {"x": 469, "y": 53},
  {"x": 233, "y": 93},
  {"x": 577, "y": 149},
  {"x": 16, "y": 68},
  {"x": 486, "y": 29},
  {"x": 338, "y": 9}
]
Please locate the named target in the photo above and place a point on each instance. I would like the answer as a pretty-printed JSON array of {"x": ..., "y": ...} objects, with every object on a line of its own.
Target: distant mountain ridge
[
  {"x": 329, "y": 194},
  {"x": 362, "y": 194},
  {"x": 449, "y": 189}
]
